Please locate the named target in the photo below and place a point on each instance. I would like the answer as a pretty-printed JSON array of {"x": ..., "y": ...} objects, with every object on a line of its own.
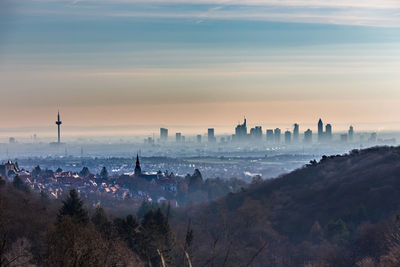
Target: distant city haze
[{"x": 130, "y": 67}]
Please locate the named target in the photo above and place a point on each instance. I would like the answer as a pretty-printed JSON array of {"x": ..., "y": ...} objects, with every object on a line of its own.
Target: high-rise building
[
  {"x": 288, "y": 137},
  {"x": 270, "y": 136},
  {"x": 178, "y": 137},
  {"x": 320, "y": 131},
  {"x": 198, "y": 138},
  {"x": 163, "y": 134},
  {"x": 58, "y": 122},
  {"x": 256, "y": 133},
  {"x": 241, "y": 131},
  {"x": 211, "y": 137},
  {"x": 328, "y": 132},
  {"x": 351, "y": 133},
  {"x": 277, "y": 136},
  {"x": 295, "y": 133},
  {"x": 308, "y": 136}
]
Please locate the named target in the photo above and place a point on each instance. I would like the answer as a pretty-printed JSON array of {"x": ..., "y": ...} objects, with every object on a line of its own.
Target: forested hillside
[{"x": 339, "y": 211}]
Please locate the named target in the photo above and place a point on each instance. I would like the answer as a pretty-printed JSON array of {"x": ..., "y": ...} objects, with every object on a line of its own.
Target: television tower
[{"x": 58, "y": 122}]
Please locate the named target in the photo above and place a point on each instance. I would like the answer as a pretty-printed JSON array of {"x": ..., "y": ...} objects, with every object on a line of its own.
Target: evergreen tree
[
  {"x": 128, "y": 229},
  {"x": 104, "y": 173},
  {"x": 84, "y": 172},
  {"x": 146, "y": 207},
  {"x": 73, "y": 207},
  {"x": 59, "y": 170},
  {"x": 101, "y": 222},
  {"x": 157, "y": 236}
]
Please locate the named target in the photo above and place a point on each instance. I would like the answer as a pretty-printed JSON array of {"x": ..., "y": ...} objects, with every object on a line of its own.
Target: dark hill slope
[{"x": 321, "y": 204}]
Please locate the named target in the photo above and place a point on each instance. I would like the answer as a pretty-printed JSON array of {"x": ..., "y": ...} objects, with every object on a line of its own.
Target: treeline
[
  {"x": 37, "y": 231},
  {"x": 194, "y": 189}
]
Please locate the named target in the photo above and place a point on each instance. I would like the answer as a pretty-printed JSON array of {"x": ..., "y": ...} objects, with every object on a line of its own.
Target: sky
[{"x": 126, "y": 66}]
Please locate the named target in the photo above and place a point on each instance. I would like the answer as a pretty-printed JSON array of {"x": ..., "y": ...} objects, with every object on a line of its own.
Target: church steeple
[{"x": 138, "y": 170}]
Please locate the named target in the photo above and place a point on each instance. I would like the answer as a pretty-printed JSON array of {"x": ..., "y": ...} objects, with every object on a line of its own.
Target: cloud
[
  {"x": 296, "y": 3},
  {"x": 379, "y": 13}
]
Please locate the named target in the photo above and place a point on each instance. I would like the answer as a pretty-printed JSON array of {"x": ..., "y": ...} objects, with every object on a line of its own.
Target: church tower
[{"x": 138, "y": 170}]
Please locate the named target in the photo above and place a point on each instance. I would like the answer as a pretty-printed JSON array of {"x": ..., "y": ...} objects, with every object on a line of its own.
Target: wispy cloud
[
  {"x": 380, "y": 13},
  {"x": 303, "y": 3}
]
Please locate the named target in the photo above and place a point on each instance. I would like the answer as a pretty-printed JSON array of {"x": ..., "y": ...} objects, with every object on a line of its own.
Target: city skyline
[
  {"x": 151, "y": 130},
  {"x": 242, "y": 132}
]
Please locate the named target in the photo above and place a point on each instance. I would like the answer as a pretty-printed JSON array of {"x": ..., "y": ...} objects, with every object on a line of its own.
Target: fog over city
[{"x": 247, "y": 152}]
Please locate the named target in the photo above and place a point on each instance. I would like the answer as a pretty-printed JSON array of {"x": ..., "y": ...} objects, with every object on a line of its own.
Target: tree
[
  {"x": 73, "y": 207},
  {"x": 84, "y": 172},
  {"x": 20, "y": 185},
  {"x": 195, "y": 181},
  {"x": 257, "y": 179},
  {"x": 158, "y": 240},
  {"x": 59, "y": 170},
  {"x": 104, "y": 173},
  {"x": 187, "y": 250},
  {"x": 48, "y": 173},
  {"x": 337, "y": 230},
  {"x": 316, "y": 233},
  {"x": 145, "y": 208},
  {"x": 101, "y": 222},
  {"x": 128, "y": 229},
  {"x": 36, "y": 171},
  {"x": 44, "y": 198}
]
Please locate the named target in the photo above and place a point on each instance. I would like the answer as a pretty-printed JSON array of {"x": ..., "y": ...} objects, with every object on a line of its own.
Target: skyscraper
[
  {"x": 295, "y": 133},
  {"x": 320, "y": 130},
  {"x": 178, "y": 137},
  {"x": 256, "y": 133},
  {"x": 211, "y": 137},
  {"x": 277, "y": 136},
  {"x": 270, "y": 136},
  {"x": 351, "y": 133},
  {"x": 163, "y": 134},
  {"x": 58, "y": 122},
  {"x": 241, "y": 131},
  {"x": 328, "y": 132},
  {"x": 288, "y": 137},
  {"x": 308, "y": 136}
]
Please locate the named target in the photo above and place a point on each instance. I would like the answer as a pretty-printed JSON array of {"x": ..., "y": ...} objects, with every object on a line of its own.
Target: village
[{"x": 138, "y": 186}]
